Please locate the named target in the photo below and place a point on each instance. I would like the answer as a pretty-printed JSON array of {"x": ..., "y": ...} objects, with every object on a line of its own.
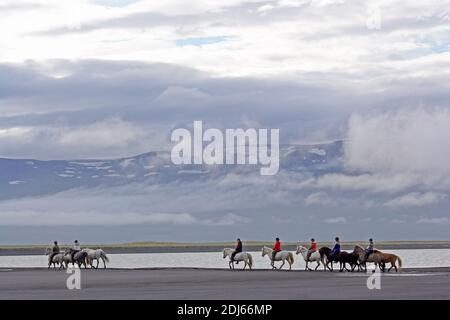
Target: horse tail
[
  {"x": 291, "y": 257},
  {"x": 323, "y": 257},
  {"x": 103, "y": 254},
  {"x": 399, "y": 263},
  {"x": 250, "y": 260}
]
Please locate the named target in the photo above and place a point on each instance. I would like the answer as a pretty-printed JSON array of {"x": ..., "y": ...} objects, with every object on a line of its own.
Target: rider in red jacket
[
  {"x": 312, "y": 249},
  {"x": 276, "y": 248}
]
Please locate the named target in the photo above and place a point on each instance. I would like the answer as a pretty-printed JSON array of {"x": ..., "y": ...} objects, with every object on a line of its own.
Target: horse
[
  {"x": 392, "y": 259},
  {"x": 342, "y": 257},
  {"x": 96, "y": 254},
  {"x": 324, "y": 257},
  {"x": 315, "y": 256},
  {"x": 280, "y": 256},
  {"x": 79, "y": 258},
  {"x": 55, "y": 259},
  {"x": 241, "y": 256},
  {"x": 374, "y": 257}
]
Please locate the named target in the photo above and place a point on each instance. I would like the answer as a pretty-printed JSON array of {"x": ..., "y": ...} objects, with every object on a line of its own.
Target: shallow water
[{"x": 412, "y": 258}]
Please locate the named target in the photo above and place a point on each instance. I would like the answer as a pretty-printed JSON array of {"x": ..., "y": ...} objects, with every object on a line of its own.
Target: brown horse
[
  {"x": 379, "y": 258},
  {"x": 392, "y": 259}
]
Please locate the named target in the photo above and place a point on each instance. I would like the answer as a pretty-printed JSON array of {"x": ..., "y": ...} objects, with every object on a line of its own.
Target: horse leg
[
  {"x": 284, "y": 261},
  {"x": 318, "y": 265},
  {"x": 245, "y": 264},
  {"x": 392, "y": 265},
  {"x": 345, "y": 267}
]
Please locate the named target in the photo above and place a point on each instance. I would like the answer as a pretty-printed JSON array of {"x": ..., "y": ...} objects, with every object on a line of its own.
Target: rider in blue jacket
[{"x": 336, "y": 249}]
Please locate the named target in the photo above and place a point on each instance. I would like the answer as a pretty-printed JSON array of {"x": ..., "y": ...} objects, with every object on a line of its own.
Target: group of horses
[
  {"x": 84, "y": 257},
  {"x": 324, "y": 256}
]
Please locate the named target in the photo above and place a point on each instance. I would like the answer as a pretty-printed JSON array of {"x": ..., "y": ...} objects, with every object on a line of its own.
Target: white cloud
[
  {"x": 320, "y": 198},
  {"x": 93, "y": 218},
  {"x": 411, "y": 141},
  {"x": 437, "y": 220},
  {"x": 105, "y": 138},
  {"x": 337, "y": 220},
  {"x": 416, "y": 199},
  {"x": 317, "y": 36}
]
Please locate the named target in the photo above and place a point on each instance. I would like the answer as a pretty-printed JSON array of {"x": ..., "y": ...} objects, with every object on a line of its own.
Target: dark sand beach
[{"x": 429, "y": 283}]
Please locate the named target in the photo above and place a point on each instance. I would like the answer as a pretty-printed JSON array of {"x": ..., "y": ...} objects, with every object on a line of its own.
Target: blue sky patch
[{"x": 201, "y": 41}]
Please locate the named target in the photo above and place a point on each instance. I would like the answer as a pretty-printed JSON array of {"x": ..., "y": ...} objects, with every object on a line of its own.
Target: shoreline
[{"x": 158, "y": 247}]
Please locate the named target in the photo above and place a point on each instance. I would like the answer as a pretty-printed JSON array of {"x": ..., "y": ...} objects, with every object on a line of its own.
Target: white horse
[
  {"x": 95, "y": 255},
  {"x": 315, "y": 256},
  {"x": 57, "y": 259},
  {"x": 241, "y": 256},
  {"x": 78, "y": 258},
  {"x": 280, "y": 256}
]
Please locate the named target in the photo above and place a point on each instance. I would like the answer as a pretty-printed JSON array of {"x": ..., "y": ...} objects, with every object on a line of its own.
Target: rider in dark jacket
[
  {"x": 336, "y": 249},
  {"x": 369, "y": 249},
  {"x": 237, "y": 249},
  {"x": 55, "y": 250}
]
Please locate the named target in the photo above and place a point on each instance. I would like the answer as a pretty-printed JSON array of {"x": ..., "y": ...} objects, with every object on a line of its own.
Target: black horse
[
  {"x": 342, "y": 257},
  {"x": 324, "y": 257},
  {"x": 347, "y": 257}
]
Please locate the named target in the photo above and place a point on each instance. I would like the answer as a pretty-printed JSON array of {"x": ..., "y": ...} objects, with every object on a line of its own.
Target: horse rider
[
  {"x": 336, "y": 249},
  {"x": 312, "y": 249},
  {"x": 369, "y": 249},
  {"x": 55, "y": 250},
  {"x": 76, "y": 248},
  {"x": 276, "y": 248},
  {"x": 237, "y": 249}
]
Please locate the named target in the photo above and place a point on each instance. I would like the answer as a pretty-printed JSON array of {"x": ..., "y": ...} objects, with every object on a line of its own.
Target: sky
[{"x": 112, "y": 78}]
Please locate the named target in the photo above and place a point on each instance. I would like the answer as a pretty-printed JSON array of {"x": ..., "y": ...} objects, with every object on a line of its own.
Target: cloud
[
  {"x": 38, "y": 218},
  {"x": 105, "y": 138},
  {"x": 298, "y": 31},
  {"x": 320, "y": 198},
  {"x": 433, "y": 221},
  {"x": 337, "y": 220},
  {"x": 415, "y": 199},
  {"x": 411, "y": 141},
  {"x": 93, "y": 218}
]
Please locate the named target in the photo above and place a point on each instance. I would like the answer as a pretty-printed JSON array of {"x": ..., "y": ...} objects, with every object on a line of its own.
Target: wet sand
[{"x": 430, "y": 283}]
